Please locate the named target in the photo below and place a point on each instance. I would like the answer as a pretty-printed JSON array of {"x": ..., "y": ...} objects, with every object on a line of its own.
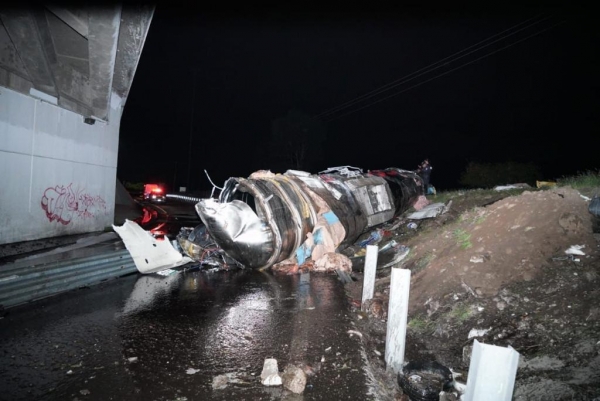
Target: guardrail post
[
  {"x": 397, "y": 318},
  {"x": 369, "y": 274},
  {"x": 492, "y": 373}
]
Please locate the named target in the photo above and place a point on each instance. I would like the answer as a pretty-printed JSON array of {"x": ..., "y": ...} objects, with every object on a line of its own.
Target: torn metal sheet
[
  {"x": 575, "y": 250},
  {"x": 406, "y": 187},
  {"x": 429, "y": 211},
  {"x": 511, "y": 186},
  {"x": 266, "y": 218},
  {"x": 149, "y": 254},
  {"x": 197, "y": 244}
]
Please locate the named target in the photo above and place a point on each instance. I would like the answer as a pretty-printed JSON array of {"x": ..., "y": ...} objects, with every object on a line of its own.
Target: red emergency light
[{"x": 152, "y": 188}]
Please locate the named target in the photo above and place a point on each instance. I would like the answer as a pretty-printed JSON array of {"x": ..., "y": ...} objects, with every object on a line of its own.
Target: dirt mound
[
  {"x": 496, "y": 263},
  {"x": 489, "y": 247}
]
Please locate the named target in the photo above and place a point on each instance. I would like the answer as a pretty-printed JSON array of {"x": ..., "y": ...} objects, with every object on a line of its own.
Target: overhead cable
[
  {"x": 447, "y": 72},
  {"x": 429, "y": 68}
]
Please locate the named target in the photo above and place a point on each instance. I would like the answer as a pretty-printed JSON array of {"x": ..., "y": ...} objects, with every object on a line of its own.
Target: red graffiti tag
[{"x": 62, "y": 204}]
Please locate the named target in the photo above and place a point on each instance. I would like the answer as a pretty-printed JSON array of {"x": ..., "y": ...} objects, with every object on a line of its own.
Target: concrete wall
[{"x": 58, "y": 173}]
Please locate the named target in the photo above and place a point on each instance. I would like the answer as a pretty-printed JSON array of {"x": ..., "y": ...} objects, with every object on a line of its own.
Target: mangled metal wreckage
[{"x": 270, "y": 219}]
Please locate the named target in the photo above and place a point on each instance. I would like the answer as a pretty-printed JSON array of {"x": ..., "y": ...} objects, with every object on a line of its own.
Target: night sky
[{"x": 223, "y": 78}]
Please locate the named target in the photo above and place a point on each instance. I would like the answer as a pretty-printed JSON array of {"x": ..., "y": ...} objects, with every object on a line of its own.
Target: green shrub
[
  {"x": 460, "y": 312},
  {"x": 463, "y": 238},
  {"x": 586, "y": 179},
  {"x": 421, "y": 325}
]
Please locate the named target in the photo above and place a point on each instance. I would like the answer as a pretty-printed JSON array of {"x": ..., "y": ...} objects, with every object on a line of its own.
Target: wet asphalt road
[{"x": 136, "y": 337}]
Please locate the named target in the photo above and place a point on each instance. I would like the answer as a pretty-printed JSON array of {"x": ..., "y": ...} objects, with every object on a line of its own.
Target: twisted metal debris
[{"x": 269, "y": 218}]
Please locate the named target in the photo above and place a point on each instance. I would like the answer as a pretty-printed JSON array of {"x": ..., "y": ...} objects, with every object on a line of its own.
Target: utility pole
[{"x": 191, "y": 128}]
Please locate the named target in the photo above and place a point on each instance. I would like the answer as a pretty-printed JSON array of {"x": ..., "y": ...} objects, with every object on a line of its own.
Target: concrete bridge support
[{"x": 65, "y": 74}]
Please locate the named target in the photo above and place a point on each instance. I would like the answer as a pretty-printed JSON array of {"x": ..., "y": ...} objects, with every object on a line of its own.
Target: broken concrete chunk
[
  {"x": 270, "y": 373},
  {"x": 219, "y": 382},
  {"x": 478, "y": 332},
  {"x": 272, "y": 380},
  {"x": 294, "y": 379}
]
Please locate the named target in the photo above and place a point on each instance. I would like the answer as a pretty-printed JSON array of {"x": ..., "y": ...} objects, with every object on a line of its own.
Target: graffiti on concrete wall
[{"x": 63, "y": 204}]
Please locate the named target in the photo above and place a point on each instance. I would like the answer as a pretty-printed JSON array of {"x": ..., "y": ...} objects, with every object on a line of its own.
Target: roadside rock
[
  {"x": 219, "y": 382},
  {"x": 294, "y": 379}
]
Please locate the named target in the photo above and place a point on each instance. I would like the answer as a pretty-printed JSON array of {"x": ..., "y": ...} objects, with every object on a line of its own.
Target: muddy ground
[{"x": 496, "y": 262}]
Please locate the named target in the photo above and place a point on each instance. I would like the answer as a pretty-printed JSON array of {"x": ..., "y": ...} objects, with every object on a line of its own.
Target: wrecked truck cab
[{"x": 273, "y": 218}]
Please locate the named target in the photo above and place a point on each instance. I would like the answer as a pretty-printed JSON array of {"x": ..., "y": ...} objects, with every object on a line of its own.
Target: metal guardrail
[
  {"x": 184, "y": 198},
  {"x": 20, "y": 284}
]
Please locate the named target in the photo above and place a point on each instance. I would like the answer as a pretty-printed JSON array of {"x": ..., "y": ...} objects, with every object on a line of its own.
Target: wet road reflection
[{"x": 138, "y": 338}]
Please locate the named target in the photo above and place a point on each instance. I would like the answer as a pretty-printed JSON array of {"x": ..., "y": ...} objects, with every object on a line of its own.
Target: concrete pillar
[
  {"x": 103, "y": 33},
  {"x": 62, "y": 171}
]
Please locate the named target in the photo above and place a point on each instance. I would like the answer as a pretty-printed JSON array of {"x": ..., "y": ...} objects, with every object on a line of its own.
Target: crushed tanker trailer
[{"x": 268, "y": 219}]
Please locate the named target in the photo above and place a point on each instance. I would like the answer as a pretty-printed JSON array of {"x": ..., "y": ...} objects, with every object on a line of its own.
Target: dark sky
[{"x": 225, "y": 77}]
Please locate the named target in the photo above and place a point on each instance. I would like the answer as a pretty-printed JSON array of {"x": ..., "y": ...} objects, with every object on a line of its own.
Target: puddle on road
[{"x": 139, "y": 336}]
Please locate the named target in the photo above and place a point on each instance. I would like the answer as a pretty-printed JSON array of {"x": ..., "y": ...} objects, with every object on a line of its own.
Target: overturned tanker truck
[{"x": 268, "y": 219}]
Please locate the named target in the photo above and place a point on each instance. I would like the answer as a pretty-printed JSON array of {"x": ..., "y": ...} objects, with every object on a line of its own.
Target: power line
[
  {"x": 447, "y": 72},
  {"x": 428, "y": 68}
]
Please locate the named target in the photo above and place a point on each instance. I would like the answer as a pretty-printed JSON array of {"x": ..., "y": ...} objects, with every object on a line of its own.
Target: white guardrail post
[
  {"x": 369, "y": 275},
  {"x": 397, "y": 318},
  {"x": 492, "y": 373}
]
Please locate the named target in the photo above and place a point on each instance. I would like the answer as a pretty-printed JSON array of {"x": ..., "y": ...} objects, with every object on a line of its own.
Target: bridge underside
[{"x": 73, "y": 57}]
